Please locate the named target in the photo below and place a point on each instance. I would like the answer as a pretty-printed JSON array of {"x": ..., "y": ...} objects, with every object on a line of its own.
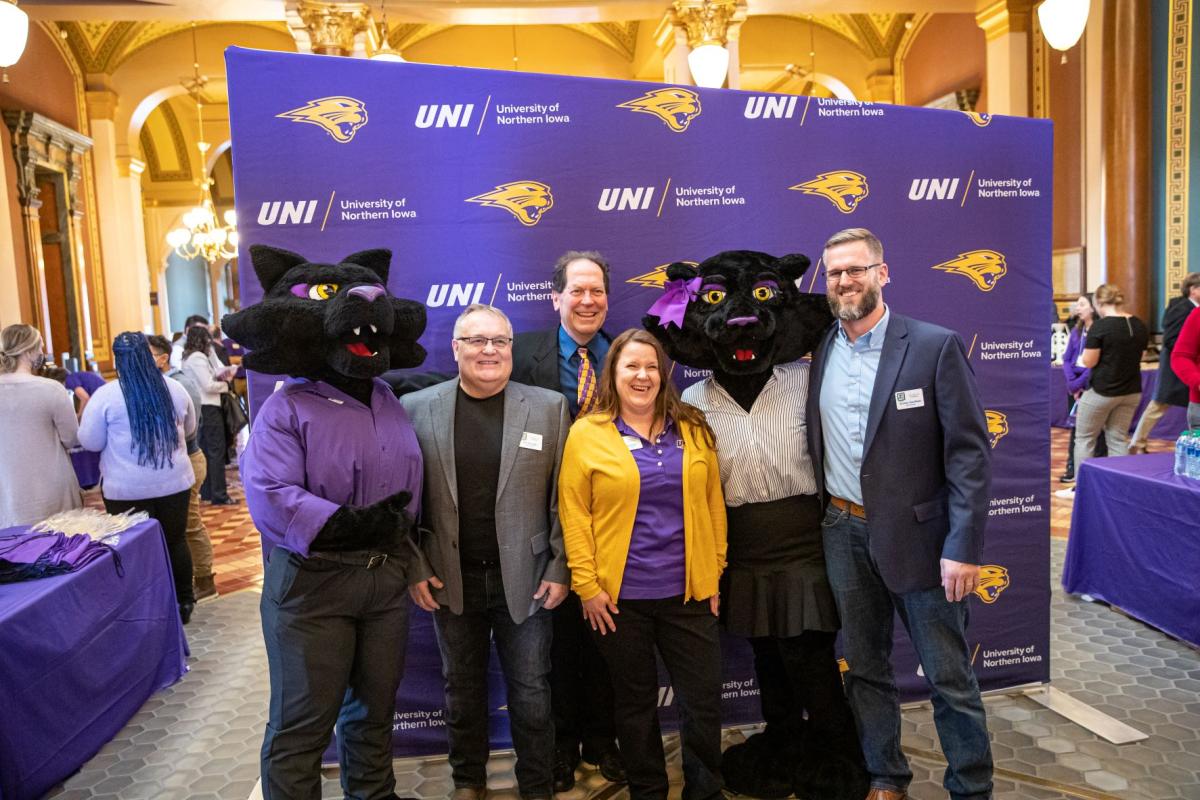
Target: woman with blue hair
[{"x": 139, "y": 424}]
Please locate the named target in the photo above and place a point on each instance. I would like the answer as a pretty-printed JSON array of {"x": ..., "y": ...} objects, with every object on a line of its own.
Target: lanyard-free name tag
[
  {"x": 632, "y": 442},
  {"x": 531, "y": 441},
  {"x": 910, "y": 398}
]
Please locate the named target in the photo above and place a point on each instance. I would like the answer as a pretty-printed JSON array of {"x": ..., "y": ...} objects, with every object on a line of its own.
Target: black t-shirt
[
  {"x": 1121, "y": 341},
  {"x": 478, "y": 433}
]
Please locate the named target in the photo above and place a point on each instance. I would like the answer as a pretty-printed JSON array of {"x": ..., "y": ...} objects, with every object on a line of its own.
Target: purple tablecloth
[
  {"x": 1135, "y": 541},
  {"x": 1173, "y": 422},
  {"x": 79, "y": 655}
]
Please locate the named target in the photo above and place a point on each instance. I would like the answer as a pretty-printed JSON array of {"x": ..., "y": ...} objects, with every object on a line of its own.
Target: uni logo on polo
[
  {"x": 339, "y": 116},
  {"x": 997, "y": 426},
  {"x": 528, "y": 201},
  {"x": 444, "y": 116},
  {"x": 984, "y": 268},
  {"x": 626, "y": 198},
  {"x": 844, "y": 188},
  {"x": 676, "y": 107},
  {"x": 993, "y": 579}
]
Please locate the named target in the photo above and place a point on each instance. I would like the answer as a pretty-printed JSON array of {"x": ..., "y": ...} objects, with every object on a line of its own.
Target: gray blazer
[{"x": 527, "y": 526}]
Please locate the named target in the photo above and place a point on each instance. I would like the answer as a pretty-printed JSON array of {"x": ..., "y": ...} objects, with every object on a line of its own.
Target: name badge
[
  {"x": 910, "y": 398},
  {"x": 632, "y": 442},
  {"x": 531, "y": 441}
]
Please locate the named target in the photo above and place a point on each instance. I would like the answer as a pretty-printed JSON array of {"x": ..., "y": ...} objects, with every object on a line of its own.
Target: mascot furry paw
[{"x": 741, "y": 315}]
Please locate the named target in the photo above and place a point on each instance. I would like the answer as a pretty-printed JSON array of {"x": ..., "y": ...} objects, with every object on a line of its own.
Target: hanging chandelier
[{"x": 204, "y": 234}]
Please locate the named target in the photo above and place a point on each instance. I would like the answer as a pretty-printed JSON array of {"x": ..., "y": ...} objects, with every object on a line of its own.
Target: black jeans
[
  {"x": 212, "y": 442},
  {"x": 171, "y": 513},
  {"x": 524, "y": 650},
  {"x": 580, "y": 688},
  {"x": 335, "y": 635},
  {"x": 686, "y": 636}
]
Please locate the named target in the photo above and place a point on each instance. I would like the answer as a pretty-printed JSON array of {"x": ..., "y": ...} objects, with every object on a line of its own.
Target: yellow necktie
[{"x": 585, "y": 394}]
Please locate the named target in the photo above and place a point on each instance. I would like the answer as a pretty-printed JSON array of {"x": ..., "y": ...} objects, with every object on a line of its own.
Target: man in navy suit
[{"x": 899, "y": 445}]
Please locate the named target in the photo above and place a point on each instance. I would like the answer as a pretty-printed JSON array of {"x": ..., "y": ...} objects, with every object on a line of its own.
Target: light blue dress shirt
[{"x": 846, "y": 389}]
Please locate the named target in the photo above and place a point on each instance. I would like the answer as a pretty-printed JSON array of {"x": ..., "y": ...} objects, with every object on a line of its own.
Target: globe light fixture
[
  {"x": 14, "y": 33},
  {"x": 709, "y": 64},
  {"x": 1063, "y": 21}
]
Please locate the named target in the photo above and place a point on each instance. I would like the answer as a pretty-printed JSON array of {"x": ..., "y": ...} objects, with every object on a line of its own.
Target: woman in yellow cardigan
[{"x": 643, "y": 522}]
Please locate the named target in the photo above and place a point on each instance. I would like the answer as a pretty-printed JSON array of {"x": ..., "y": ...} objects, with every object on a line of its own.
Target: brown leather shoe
[{"x": 886, "y": 794}]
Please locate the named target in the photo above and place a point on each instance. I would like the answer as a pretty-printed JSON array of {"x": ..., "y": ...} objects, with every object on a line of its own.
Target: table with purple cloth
[
  {"x": 1173, "y": 422},
  {"x": 1135, "y": 541},
  {"x": 79, "y": 655}
]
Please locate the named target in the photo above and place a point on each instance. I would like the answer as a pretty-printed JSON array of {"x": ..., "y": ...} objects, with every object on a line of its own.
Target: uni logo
[
  {"x": 997, "y": 426},
  {"x": 933, "y": 189},
  {"x": 339, "y": 116},
  {"x": 525, "y": 200},
  {"x": 993, "y": 579},
  {"x": 982, "y": 120},
  {"x": 844, "y": 188},
  {"x": 626, "y": 198},
  {"x": 444, "y": 116},
  {"x": 453, "y": 294},
  {"x": 769, "y": 107},
  {"x": 985, "y": 268},
  {"x": 655, "y": 278},
  {"x": 274, "y": 212},
  {"x": 676, "y": 107}
]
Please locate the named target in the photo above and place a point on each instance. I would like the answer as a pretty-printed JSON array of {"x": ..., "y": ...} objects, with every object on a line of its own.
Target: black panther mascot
[
  {"x": 332, "y": 474},
  {"x": 740, "y": 315}
]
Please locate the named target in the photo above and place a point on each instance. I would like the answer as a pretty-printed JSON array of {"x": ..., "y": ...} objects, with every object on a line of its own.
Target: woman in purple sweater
[
  {"x": 139, "y": 424},
  {"x": 1078, "y": 376}
]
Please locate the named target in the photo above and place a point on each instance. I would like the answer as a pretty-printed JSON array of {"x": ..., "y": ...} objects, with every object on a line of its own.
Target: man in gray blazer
[{"x": 492, "y": 562}]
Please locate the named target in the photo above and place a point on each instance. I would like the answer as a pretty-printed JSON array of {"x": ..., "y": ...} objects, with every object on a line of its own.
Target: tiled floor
[{"x": 199, "y": 739}]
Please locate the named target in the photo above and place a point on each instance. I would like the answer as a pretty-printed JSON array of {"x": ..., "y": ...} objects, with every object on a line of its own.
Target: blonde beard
[{"x": 848, "y": 313}]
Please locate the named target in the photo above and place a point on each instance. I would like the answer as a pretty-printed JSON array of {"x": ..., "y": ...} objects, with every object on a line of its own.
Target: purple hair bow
[{"x": 674, "y": 301}]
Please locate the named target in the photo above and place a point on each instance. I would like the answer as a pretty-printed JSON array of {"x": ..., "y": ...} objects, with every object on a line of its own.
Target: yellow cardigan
[{"x": 598, "y": 486}]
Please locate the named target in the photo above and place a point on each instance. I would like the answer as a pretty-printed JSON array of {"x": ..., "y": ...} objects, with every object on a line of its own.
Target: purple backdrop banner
[{"x": 478, "y": 180}]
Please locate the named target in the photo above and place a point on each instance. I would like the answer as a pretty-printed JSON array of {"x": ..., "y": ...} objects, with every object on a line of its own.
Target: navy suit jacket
[{"x": 926, "y": 471}]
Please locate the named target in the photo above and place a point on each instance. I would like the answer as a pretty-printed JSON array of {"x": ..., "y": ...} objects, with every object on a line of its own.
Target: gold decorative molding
[
  {"x": 879, "y": 34},
  {"x": 178, "y": 143},
  {"x": 911, "y": 32},
  {"x": 1179, "y": 103},
  {"x": 1039, "y": 71},
  {"x": 1003, "y": 17},
  {"x": 330, "y": 28},
  {"x": 708, "y": 21},
  {"x": 102, "y": 104},
  {"x": 620, "y": 36}
]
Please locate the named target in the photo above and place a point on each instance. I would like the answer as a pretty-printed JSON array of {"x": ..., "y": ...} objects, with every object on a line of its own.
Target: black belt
[
  {"x": 354, "y": 558},
  {"x": 480, "y": 563}
]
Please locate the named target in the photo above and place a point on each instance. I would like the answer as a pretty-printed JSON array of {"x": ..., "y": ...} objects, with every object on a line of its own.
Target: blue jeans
[
  {"x": 937, "y": 630},
  {"x": 464, "y": 641}
]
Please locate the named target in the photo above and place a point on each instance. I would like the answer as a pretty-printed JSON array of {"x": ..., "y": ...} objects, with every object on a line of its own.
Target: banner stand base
[{"x": 1084, "y": 715}]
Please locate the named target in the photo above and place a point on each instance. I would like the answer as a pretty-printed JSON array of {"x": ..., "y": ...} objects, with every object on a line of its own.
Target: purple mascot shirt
[{"x": 314, "y": 448}]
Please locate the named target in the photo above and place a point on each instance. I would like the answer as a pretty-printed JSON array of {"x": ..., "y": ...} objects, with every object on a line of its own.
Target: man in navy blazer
[{"x": 899, "y": 445}]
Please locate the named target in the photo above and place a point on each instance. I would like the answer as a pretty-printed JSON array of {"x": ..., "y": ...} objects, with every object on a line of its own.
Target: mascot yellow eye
[
  {"x": 713, "y": 296},
  {"x": 763, "y": 293},
  {"x": 322, "y": 291}
]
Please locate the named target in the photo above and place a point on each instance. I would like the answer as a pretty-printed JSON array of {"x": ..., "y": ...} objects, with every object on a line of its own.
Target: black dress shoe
[
  {"x": 1067, "y": 477},
  {"x": 564, "y": 771},
  {"x": 185, "y": 612},
  {"x": 612, "y": 767}
]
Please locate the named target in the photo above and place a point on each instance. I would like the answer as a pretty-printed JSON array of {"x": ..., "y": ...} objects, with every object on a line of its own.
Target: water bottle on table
[
  {"x": 1193, "y": 459},
  {"x": 1181, "y": 452}
]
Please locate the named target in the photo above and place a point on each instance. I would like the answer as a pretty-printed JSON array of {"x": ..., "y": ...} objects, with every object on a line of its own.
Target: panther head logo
[
  {"x": 655, "y": 278},
  {"x": 997, "y": 426},
  {"x": 340, "y": 117},
  {"x": 993, "y": 579},
  {"x": 979, "y": 118},
  {"x": 843, "y": 188},
  {"x": 525, "y": 200},
  {"x": 674, "y": 106},
  {"x": 985, "y": 268}
]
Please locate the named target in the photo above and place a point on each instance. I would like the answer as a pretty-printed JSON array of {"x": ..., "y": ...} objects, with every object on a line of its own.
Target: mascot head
[
  {"x": 738, "y": 313},
  {"x": 340, "y": 117},
  {"x": 674, "y": 106},
  {"x": 320, "y": 319},
  {"x": 525, "y": 200}
]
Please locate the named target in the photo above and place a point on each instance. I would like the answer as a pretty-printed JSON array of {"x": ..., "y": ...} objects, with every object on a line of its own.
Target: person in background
[
  {"x": 37, "y": 428},
  {"x": 1185, "y": 361},
  {"x": 179, "y": 341},
  {"x": 198, "y": 539},
  {"x": 1168, "y": 389},
  {"x": 140, "y": 424},
  {"x": 199, "y": 367},
  {"x": 644, "y": 526},
  {"x": 1113, "y": 352},
  {"x": 1078, "y": 376}
]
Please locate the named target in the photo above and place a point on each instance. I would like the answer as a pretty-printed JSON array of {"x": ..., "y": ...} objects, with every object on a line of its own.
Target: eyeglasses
[
  {"x": 479, "y": 342},
  {"x": 835, "y": 275}
]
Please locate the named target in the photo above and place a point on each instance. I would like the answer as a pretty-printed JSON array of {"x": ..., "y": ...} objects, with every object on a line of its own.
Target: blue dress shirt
[
  {"x": 846, "y": 389},
  {"x": 568, "y": 364}
]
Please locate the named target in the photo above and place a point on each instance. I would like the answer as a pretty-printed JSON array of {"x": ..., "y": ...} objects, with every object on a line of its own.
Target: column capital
[
  {"x": 328, "y": 28},
  {"x": 102, "y": 104},
  {"x": 130, "y": 167},
  {"x": 708, "y": 21},
  {"x": 1000, "y": 17}
]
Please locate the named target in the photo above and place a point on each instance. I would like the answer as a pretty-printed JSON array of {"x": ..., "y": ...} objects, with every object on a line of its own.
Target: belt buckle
[{"x": 377, "y": 560}]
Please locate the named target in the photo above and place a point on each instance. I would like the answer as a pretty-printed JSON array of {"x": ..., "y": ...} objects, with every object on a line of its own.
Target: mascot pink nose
[
  {"x": 368, "y": 293},
  {"x": 741, "y": 321}
]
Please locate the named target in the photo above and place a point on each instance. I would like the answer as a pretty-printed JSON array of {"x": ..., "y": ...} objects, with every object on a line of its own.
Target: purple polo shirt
[
  {"x": 654, "y": 568},
  {"x": 314, "y": 448}
]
